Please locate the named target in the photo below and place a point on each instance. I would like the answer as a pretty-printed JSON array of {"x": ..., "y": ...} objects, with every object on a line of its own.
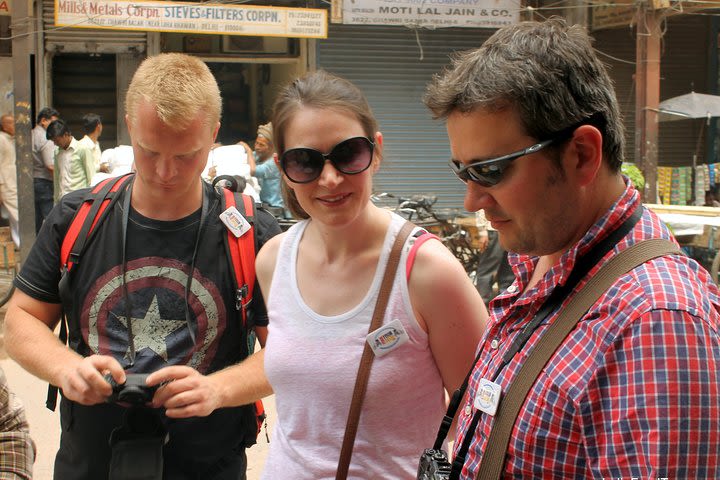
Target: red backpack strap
[
  {"x": 242, "y": 256},
  {"x": 242, "y": 252},
  {"x": 80, "y": 230}
]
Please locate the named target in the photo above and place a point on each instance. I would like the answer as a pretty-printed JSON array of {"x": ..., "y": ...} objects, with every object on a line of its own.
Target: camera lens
[{"x": 134, "y": 395}]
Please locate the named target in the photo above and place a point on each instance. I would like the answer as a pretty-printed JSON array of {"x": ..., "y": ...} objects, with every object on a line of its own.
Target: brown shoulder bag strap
[
  {"x": 493, "y": 460},
  {"x": 366, "y": 360}
]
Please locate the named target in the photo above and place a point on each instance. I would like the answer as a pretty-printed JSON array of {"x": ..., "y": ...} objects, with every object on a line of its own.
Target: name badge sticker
[
  {"x": 488, "y": 395},
  {"x": 387, "y": 338},
  {"x": 234, "y": 221}
]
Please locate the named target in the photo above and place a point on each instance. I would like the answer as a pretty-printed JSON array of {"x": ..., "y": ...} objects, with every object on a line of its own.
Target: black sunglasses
[
  {"x": 351, "y": 156},
  {"x": 490, "y": 172}
]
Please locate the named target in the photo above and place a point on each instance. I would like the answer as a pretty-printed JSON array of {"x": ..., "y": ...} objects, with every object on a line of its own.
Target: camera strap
[
  {"x": 190, "y": 323},
  {"x": 137, "y": 446},
  {"x": 582, "y": 266},
  {"x": 368, "y": 356}
]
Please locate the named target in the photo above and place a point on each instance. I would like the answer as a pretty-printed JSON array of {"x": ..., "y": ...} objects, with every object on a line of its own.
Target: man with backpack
[{"x": 159, "y": 277}]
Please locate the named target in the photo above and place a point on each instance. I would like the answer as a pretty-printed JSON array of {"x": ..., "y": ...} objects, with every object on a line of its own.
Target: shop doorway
[
  {"x": 86, "y": 83},
  {"x": 236, "y": 122},
  {"x": 248, "y": 91}
]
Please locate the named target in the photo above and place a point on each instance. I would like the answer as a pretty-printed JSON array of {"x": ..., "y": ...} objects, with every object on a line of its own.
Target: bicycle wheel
[
  {"x": 8, "y": 269},
  {"x": 7, "y": 286}
]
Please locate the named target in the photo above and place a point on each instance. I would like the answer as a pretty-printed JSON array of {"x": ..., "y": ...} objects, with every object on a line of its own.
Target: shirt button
[
  {"x": 468, "y": 410},
  {"x": 512, "y": 289},
  {"x": 494, "y": 344}
]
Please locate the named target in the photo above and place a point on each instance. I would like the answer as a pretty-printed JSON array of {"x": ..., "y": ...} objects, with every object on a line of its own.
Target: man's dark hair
[
  {"x": 90, "y": 122},
  {"x": 47, "y": 113},
  {"x": 546, "y": 71},
  {"x": 57, "y": 128}
]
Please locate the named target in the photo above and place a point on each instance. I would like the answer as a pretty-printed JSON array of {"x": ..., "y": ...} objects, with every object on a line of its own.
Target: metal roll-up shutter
[
  {"x": 392, "y": 67},
  {"x": 683, "y": 66},
  {"x": 88, "y": 40}
]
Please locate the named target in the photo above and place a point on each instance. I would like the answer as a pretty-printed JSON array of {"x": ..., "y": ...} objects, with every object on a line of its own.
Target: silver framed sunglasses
[{"x": 490, "y": 172}]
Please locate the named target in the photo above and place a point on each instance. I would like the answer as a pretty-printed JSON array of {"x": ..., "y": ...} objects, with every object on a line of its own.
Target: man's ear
[
  {"x": 587, "y": 143},
  {"x": 215, "y": 133},
  {"x": 127, "y": 123}
]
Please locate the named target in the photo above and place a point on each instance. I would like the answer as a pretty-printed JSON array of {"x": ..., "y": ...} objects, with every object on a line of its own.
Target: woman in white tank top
[{"x": 320, "y": 280}]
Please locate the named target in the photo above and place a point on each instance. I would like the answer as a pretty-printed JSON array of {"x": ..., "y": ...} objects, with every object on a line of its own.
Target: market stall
[{"x": 697, "y": 229}]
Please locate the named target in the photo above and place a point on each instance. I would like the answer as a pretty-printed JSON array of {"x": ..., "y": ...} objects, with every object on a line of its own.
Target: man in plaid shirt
[
  {"x": 17, "y": 449},
  {"x": 634, "y": 390}
]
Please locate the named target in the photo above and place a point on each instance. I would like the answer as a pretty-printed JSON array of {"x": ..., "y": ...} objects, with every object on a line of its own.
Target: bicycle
[
  {"x": 8, "y": 271},
  {"x": 419, "y": 210}
]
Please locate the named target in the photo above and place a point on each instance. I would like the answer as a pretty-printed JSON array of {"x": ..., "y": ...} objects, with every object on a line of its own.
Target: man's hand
[
  {"x": 83, "y": 381},
  {"x": 186, "y": 392}
]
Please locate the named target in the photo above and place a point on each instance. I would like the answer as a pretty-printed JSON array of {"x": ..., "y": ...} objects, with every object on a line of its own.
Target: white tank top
[{"x": 311, "y": 361}]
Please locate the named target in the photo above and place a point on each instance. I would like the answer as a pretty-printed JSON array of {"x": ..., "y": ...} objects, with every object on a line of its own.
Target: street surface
[{"x": 45, "y": 425}]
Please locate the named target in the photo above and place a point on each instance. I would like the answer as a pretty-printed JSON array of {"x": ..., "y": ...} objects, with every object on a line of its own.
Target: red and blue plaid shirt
[{"x": 634, "y": 391}]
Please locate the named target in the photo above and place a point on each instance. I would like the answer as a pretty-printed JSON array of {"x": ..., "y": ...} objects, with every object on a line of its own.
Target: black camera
[
  {"x": 134, "y": 391},
  {"x": 434, "y": 465}
]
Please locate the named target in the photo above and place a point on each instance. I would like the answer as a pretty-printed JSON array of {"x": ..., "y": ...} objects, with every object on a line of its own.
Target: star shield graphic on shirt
[
  {"x": 152, "y": 330},
  {"x": 156, "y": 309}
]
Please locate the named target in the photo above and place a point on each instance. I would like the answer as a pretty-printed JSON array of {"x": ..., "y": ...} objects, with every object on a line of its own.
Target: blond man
[{"x": 153, "y": 292}]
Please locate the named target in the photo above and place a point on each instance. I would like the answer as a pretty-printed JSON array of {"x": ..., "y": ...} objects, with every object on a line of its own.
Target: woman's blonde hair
[{"x": 179, "y": 86}]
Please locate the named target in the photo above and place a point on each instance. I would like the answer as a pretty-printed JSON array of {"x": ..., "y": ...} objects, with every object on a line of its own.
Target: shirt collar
[{"x": 73, "y": 145}]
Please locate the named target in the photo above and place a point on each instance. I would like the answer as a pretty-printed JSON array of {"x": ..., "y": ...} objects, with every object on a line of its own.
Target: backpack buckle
[
  {"x": 240, "y": 295},
  {"x": 74, "y": 258}
]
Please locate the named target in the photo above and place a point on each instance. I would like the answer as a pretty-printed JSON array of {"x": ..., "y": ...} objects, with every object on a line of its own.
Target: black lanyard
[
  {"x": 582, "y": 266},
  {"x": 188, "y": 283}
]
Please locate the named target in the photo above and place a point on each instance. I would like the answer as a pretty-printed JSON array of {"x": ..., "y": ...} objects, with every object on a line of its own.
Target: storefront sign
[
  {"x": 432, "y": 13},
  {"x": 6, "y": 7},
  {"x": 621, "y": 13},
  {"x": 192, "y": 18},
  {"x": 612, "y": 14}
]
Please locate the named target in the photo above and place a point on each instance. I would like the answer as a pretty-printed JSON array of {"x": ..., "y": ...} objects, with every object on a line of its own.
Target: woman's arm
[
  {"x": 450, "y": 310},
  {"x": 190, "y": 394}
]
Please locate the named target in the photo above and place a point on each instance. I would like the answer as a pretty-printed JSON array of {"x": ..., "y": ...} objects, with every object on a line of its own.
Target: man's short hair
[
  {"x": 546, "y": 71},
  {"x": 90, "y": 122},
  {"x": 57, "y": 128},
  {"x": 47, "y": 113},
  {"x": 179, "y": 86}
]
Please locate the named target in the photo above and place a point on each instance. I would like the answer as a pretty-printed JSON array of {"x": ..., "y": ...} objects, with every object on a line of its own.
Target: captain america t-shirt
[
  {"x": 151, "y": 311},
  {"x": 151, "y": 314}
]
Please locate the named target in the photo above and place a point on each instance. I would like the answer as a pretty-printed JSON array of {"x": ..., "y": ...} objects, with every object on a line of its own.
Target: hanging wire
[
  {"x": 620, "y": 60},
  {"x": 417, "y": 40}
]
